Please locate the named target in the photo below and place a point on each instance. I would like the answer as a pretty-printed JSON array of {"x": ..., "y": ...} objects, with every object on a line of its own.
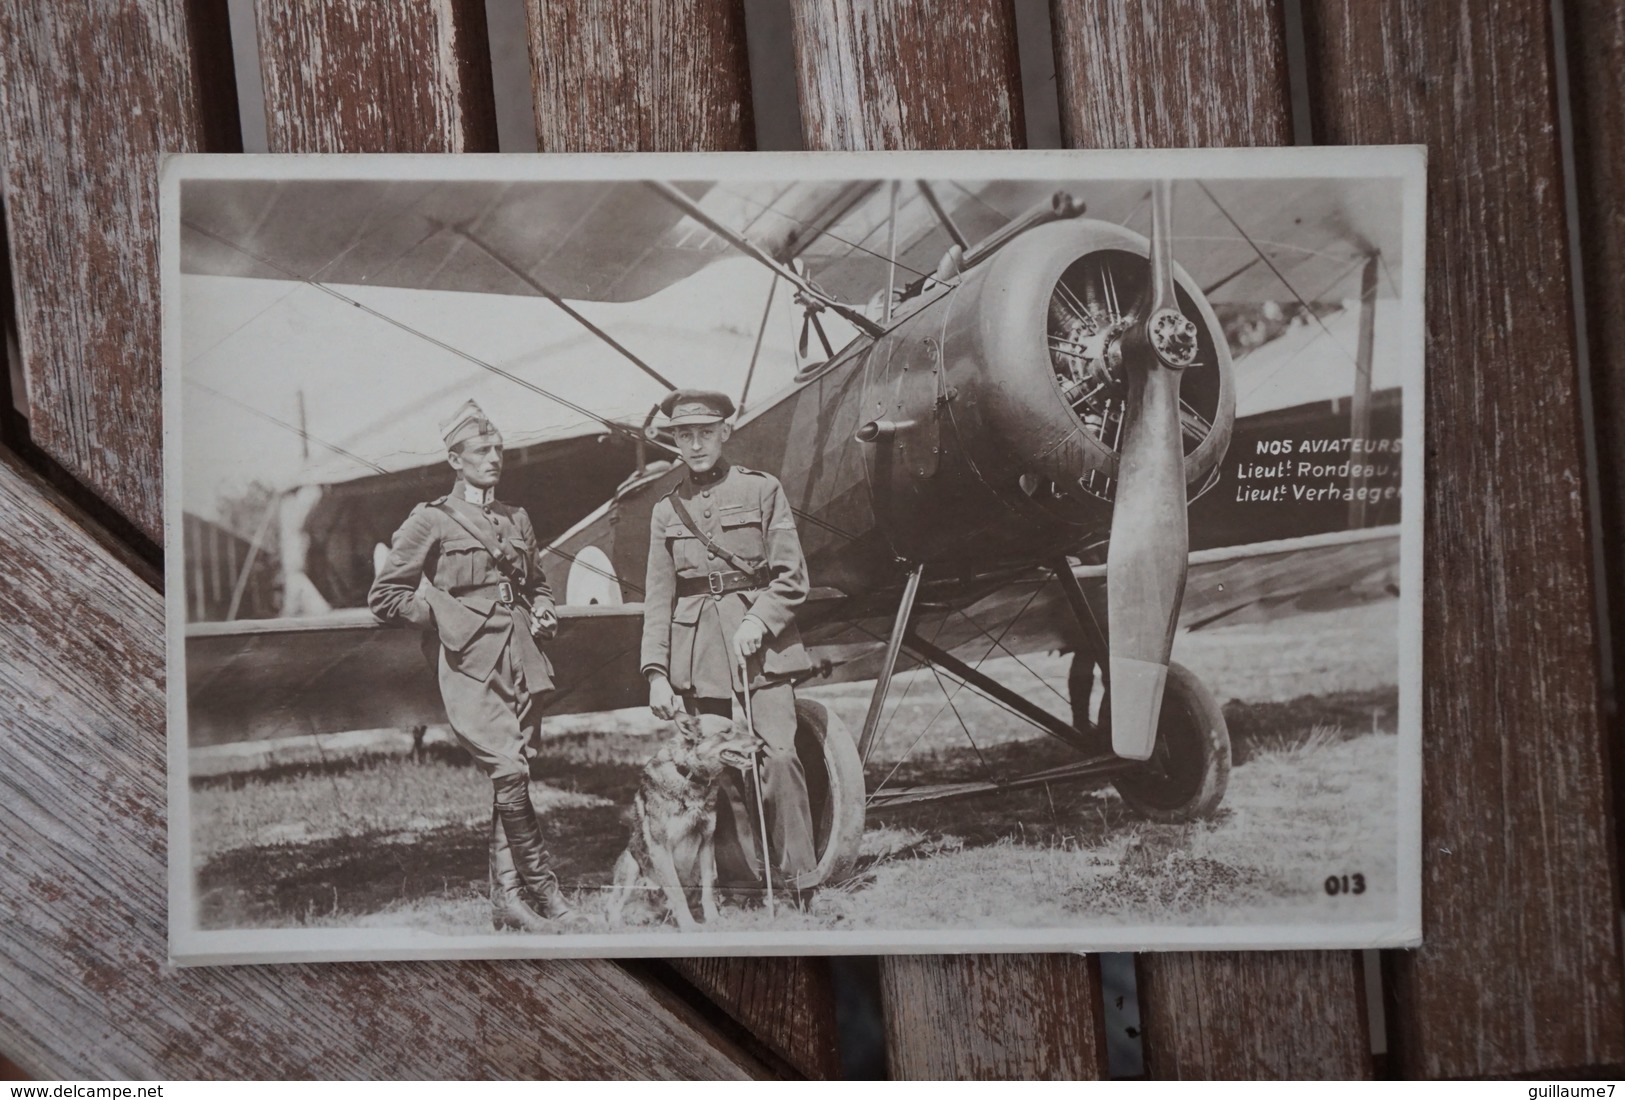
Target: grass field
[{"x": 400, "y": 841}]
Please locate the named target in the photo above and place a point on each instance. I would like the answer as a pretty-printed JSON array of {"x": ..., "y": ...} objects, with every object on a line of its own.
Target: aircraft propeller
[{"x": 1146, "y": 560}]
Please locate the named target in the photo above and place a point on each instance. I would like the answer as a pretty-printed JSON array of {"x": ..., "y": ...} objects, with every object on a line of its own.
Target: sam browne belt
[
  {"x": 501, "y": 591},
  {"x": 718, "y": 584}
]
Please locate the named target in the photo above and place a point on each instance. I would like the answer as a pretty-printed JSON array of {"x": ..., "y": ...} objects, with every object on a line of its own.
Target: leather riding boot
[
  {"x": 510, "y": 909},
  {"x": 530, "y": 858}
]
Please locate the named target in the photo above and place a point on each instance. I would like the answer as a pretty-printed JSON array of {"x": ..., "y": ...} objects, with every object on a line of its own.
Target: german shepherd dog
[{"x": 674, "y": 816}]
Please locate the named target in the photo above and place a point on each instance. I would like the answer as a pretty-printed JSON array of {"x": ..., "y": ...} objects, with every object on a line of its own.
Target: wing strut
[
  {"x": 755, "y": 352},
  {"x": 755, "y": 252},
  {"x": 947, "y": 222}
]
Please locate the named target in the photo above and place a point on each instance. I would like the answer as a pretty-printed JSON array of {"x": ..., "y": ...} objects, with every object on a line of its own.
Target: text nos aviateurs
[{"x": 1312, "y": 471}]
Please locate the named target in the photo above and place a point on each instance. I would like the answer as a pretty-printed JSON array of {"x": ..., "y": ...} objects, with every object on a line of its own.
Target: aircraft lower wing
[{"x": 255, "y": 679}]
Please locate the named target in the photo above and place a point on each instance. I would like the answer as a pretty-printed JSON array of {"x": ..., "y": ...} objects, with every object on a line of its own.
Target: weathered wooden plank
[
  {"x": 1520, "y": 971},
  {"x": 900, "y": 74},
  {"x": 788, "y": 1004},
  {"x": 89, "y": 96},
  {"x": 666, "y": 76},
  {"x": 1596, "y": 61},
  {"x": 85, "y": 988},
  {"x": 1253, "y": 1015},
  {"x": 889, "y": 74},
  {"x": 983, "y": 1017},
  {"x": 1169, "y": 73},
  {"x": 661, "y": 76},
  {"x": 376, "y": 76}
]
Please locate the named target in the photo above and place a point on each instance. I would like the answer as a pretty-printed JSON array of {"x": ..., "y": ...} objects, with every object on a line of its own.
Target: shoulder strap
[
  {"x": 688, "y": 521},
  {"x": 507, "y": 567}
]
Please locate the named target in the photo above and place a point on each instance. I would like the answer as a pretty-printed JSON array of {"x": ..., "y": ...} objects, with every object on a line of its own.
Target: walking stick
[{"x": 756, "y": 780}]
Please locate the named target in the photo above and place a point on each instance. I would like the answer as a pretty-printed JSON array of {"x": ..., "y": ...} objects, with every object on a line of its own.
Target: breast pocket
[
  {"x": 686, "y": 551},
  {"x": 462, "y": 563},
  {"x": 742, "y": 531}
]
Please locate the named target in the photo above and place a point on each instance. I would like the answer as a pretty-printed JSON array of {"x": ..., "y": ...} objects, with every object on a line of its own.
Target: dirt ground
[{"x": 399, "y": 840}]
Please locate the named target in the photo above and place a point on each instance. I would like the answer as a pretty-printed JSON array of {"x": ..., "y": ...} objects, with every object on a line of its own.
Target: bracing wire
[
  {"x": 523, "y": 383},
  {"x": 294, "y": 428}
]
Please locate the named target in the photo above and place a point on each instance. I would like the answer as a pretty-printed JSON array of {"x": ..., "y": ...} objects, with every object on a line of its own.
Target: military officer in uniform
[
  {"x": 463, "y": 569},
  {"x": 725, "y": 577}
]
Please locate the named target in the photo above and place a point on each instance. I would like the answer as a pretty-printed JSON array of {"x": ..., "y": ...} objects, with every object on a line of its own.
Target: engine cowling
[{"x": 993, "y": 414}]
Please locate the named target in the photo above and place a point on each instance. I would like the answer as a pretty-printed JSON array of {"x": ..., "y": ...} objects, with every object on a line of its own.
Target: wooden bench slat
[
  {"x": 1265, "y": 1015},
  {"x": 1170, "y": 73},
  {"x": 85, "y": 988},
  {"x": 1596, "y": 60},
  {"x": 1520, "y": 968},
  {"x": 908, "y": 74},
  {"x": 660, "y": 76},
  {"x": 1167, "y": 73},
  {"x": 788, "y": 1004},
  {"x": 89, "y": 96},
  {"x": 985, "y": 1017},
  {"x": 665, "y": 76},
  {"x": 376, "y": 76},
  {"x": 900, "y": 74}
]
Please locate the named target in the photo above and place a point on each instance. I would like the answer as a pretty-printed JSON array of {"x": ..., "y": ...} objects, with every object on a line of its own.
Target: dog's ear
[
  {"x": 688, "y": 727},
  {"x": 715, "y": 725}
]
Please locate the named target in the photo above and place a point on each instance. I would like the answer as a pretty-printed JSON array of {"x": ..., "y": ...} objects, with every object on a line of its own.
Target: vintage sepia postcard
[{"x": 793, "y": 553}]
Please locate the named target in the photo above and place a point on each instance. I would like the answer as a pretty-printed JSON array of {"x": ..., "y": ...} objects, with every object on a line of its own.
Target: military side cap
[
  {"x": 468, "y": 422},
  {"x": 696, "y": 407}
]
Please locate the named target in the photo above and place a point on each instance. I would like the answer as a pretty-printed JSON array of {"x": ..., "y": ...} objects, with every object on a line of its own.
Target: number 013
[{"x": 1345, "y": 884}]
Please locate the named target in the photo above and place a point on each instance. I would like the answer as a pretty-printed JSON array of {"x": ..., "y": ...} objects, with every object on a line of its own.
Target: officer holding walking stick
[{"x": 725, "y": 576}]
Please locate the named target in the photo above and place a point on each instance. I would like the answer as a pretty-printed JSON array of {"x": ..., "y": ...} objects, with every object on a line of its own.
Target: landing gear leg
[
  {"x": 1089, "y": 655},
  {"x": 894, "y": 646},
  {"x": 1080, "y": 688}
]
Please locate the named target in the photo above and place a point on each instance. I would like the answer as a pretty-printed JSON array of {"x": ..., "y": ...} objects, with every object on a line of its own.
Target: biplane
[{"x": 1026, "y": 394}]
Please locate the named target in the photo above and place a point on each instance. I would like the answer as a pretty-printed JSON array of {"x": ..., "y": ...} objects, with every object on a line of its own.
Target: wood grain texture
[
  {"x": 788, "y": 1004},
  {"x": 666, "y": 76},
  {"x": 1596, "y": 62},
  {"x": 1162, "y": 73},
  {"x": 660, "y": 76},
  {"x": 376, "y": 76},
  {"x": 85, "y": 988},
  {"x": 902, "y": 74},
  {"x": 906, "y": 74},
  {"x": 1520, "y": 971},
  {"x": 987, "y": 1017},
  {"x": 89, "y": 96},
  {"x": 1281, "y": 1016},
  {"x": 1167, "y": 73}
]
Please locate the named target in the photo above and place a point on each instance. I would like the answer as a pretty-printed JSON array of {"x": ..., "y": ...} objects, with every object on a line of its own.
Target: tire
[
  {"x": 835, "y": 792},
  {"x": 1185, "y": 778}
]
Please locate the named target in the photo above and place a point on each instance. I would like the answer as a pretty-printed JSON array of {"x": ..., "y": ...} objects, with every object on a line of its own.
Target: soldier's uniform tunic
[
  {"x": 688, "y": 635},
  {"x": 490, "y": 667}
]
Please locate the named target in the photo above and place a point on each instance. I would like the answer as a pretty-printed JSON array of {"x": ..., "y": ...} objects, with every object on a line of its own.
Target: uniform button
[
  {"x": 708, "y": 513},
  {"x": 706, "y": 493}
]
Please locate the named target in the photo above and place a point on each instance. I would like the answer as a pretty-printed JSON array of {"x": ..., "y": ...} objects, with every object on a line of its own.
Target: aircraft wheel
[
  {"x": 835, "y": 791},
  {"x": 1185, "y": 778}
]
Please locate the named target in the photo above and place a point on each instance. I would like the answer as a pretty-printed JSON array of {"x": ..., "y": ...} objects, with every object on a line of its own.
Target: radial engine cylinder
[{"x": 993, "y": 414}]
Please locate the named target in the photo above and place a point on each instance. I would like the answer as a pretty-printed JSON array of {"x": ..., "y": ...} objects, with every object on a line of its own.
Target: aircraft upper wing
[
  {"x": 250, "y": 680},
  {"x": 619, "y": 241}
]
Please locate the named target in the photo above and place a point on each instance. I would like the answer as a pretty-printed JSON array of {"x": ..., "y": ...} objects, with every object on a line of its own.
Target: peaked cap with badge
[
  {"x": 723, "y": 547},
  {"x": 685, "y": 407}
]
